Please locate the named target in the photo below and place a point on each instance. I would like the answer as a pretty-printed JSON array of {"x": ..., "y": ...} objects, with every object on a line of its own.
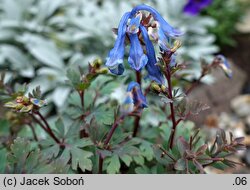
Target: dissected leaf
[
  {"x": 103, "y": 116},
  {"x": 126, "y": 159},
  {"x": 25, "y": 159},
  {"x": 114, "y": 165}
]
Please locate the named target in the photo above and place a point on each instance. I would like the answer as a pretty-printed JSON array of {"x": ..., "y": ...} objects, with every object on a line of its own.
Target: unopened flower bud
[
  {"x": 177, "y": 45},
  {"x": 156, "y": 87},
  {"x": 163, "y": 88},
  {"x": 102, "y": 71},
  {"x": 96, "y": 63}
]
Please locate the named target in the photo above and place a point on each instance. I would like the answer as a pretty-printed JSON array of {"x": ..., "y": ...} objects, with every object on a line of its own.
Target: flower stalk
[
  {"x": 45, "y": 126},
  {"x": 137, "y": 118},
  {"x": 171, "y": 104}
]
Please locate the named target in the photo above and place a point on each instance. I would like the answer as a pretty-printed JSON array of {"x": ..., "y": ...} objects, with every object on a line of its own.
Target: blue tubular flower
[
  {"x": 138, "y": 98},
  {"x": 128, "y": 104},
  {"x": 222, "y": 61},
  {"x": 154, "y": 71},
  {"x": 163, "y": 40},
  {"x": 134, "y": 99},
  {"x": 115, "y": 58},
  {"x": 137, "y": 59},
  {"x": 166, "y": 28}
]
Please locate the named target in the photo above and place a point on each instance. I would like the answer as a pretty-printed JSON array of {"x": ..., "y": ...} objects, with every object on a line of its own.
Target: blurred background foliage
[{"x": 230, "y": 13}]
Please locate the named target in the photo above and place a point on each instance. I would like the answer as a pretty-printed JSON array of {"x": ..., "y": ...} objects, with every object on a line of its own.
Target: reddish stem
[
  {"x": 49, "y": 130},
  {"x": 136, "y": 125},
  {"x": 81, "y": 94},
  {"x": 138, "y": 77},
  {"x": 195, "y": 84},
  {"x": 44, "y": 128},
  {"x": 137, "y": 118},
  {"x": 106, "y": 142},
  {"x": 100, "y": 164},
  {"x": 174, "y": 123},
  {"x": 113, "y": 128}
]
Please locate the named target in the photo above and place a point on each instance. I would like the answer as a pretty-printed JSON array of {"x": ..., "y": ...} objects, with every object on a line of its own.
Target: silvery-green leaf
[
  {"x": 60, "y": 95},
  {"x": 42, "y": 49}
]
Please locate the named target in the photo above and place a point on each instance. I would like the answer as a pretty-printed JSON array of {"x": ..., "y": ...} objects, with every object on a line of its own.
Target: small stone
[{"x": 241, "y": 105}]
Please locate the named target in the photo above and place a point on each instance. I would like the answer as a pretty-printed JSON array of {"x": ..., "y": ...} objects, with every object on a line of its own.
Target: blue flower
[
  {"x": 154, "y": 71},
  {"x": 137, "y": 59},
  {"x": 163, "y": 40},
  {"x": 115, "y": 58},
  {"x": 193, "y": 7},
  {"x": 138, "y": 98},
  {"x": 134, "y": 99},
  {"x": 165, "y": 27},
  {"x": 133, "y": 27},
  {"x": 222, "y": 62}
]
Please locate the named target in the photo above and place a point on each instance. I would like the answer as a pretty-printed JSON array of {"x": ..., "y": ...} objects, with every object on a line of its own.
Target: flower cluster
[
  {"x": 141, "y": 28},
  {"x": 24, "y": 104}
]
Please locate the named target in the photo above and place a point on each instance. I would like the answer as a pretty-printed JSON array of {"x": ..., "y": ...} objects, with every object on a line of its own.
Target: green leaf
[
  {"x": 43, "y": 50},
  {"x": 180, "y": 164},
  {"x": 142, "y": 170},
  {"x": 139, "y": 160},
  {"x": 164, "y": 160},
  {"x": 51, "y": 152},
  {"x": 3, "y": 160},
  {"x": 147, "y": 150},
  {"x": 109, "y": 88},
  {"x": 126, "y": 159},
  {"x": 81, "y": 143},
  {"x": 73, "y": 130},
  {"x": 182, "y": 145},
  {"x": 219, "y": 165},
  {"x": 4, "y": 127},
  {"x": 19, "y": 152},
  {"x": 74, "y": 77},
  {"x": 60, "y": 127},
  {"x": 114, "y": 165},
  {"x": 74, "y": 150},
  {"x": 15, "y": 56},
  {"x": 25, "y": 159},
  {"x": 103, "y": 115},
  {"x": 80, "y": 158}
]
